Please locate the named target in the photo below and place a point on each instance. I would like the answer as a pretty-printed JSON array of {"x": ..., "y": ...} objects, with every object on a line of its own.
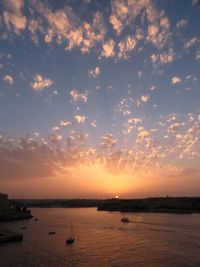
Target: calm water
[{"x": 103, "y": 240}]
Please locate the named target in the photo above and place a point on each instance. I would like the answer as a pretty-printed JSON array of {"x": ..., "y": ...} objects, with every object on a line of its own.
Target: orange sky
[{"x": 97, "y": 182}]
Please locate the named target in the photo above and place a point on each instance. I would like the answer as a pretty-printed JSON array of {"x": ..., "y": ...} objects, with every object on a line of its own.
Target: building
[{"x": 3, "y": 201}]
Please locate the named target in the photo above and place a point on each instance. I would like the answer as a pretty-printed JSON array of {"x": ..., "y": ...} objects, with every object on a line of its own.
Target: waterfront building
[{"x": 3, "y": 201}]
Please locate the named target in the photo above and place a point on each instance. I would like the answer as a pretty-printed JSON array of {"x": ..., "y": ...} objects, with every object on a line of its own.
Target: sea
[{"x": 101, "y": 239}]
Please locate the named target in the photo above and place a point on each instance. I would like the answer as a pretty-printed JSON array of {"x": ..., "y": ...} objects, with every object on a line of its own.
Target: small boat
[
  {"x": 51, "y": 233},
  {"x": 125, "y": 220},
  {"x": 71, "y": 238}
]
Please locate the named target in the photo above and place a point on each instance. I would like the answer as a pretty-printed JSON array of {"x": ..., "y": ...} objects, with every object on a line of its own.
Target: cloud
[
  {"x": 60, "y": 22},
  {"x": 95, "y": 72},
  {"x": 27, "y": 159},
  {"x": 76, "y": 96},
  {"x": 175, "y": 80},
  {"x": 174, "y": 127},
  {"x": 8, "y": 79},
  {"x": 142, "y": 135},
  {"x": 64, "y": 26},
  {"x": 40, "y": 83},
  {"x": 119, "y": 14},
  {"x": 139, "y": 74},
  {"x": 193, "y": 41},
  {"x": 93, "y": 123},
  {"x": 131, "y": 123},
  {"x": 65, "y": 123},
  {"x": 181, "y": 23},
  {"x": 56, "y": 129},
  {"x": 35, "y": 156},
  {"x": 126, "y": 47},
  {"x": 108, "y": 48},
  {"x": 108, "y": 141},
  {"x": 144, "y": 98},
  {"x": 87, "y": 35},
  {"x": 34, "y": 27},
  {"x": 153, "y": 87},
  {"x": 135, "y": 120},
  {"x": 80, "y": 118},
  {"x": 124, "y": 13},
  {"x": 194, "y": 2},
  {"x": 197, "y": 57},
  {"x": 163, "y": 58},
  {"x": 12, "y": 16}
]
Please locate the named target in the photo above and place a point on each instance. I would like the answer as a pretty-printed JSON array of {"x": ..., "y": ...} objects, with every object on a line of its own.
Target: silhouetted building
[{"x": 3, "y": 201}]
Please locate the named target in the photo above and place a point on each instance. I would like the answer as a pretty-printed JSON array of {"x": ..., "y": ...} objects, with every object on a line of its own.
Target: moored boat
[
  {"x": 71, "y": 238},
  {"x": 125, "y": 220}
]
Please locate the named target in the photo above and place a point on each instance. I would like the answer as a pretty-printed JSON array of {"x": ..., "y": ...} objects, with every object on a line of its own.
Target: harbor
[{"x": 11, "y": 213}]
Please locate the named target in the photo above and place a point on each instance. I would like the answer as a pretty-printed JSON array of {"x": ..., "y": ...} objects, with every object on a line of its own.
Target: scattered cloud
[
  {"x": 139, "y": 74},
  {"x": 8, "y": 79},
  {"x": 135, "y": 120},
  {"x": 93, "y": 123},
  {"x": 108, "y": 49},
  {"x": 12, "y": 15},
  {"x": 197, "y": 57},
  {"x": 193, "y": 41},
  {"x": 80, "y": 118},
  {"x": 40, "y": 83},
  {"x": 164, "y": 57},
  {"x": 76, "y": 96},
  {"x": 194, "y": 2},
  {"x": 126, "y": 47},
  {"x": 144, "y": 98},
  {"x": 175, "y": 80},
  {"x": 65, "y": 123},
  {"x": 56, "y": 129},
  {"x": 95, "y": 72},
  {"x": 175, "y": 127},
  {"x": 108, "y": 141},
  {"x": 181, "y": 23}
]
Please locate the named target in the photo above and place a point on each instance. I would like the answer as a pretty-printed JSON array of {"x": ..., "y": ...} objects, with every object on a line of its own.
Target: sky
[{"x": 99, "y": 98}]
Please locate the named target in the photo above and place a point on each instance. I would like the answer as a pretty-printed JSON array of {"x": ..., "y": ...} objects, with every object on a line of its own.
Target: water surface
[{"x": 150, "y": 239}]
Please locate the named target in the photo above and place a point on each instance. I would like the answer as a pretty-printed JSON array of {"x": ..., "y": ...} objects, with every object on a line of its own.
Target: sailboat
[{"x": 71, "y": 238}]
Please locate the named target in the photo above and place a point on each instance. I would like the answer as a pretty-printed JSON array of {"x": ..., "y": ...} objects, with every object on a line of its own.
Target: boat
[
  {"x": 71, "y": 238},
  {"x": 125, "y": 220},
  {"x": 52, "y": 233}
]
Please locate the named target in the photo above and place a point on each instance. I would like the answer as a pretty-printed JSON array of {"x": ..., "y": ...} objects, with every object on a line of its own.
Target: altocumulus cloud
[
  {"x": 40, "y": 83},
  {"x": 8, "y": 79}
]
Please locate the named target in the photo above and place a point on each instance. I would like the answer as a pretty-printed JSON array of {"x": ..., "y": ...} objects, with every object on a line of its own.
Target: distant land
[
  {"x": 51, "y": 203},
  {"x": 151, "y": 204}
]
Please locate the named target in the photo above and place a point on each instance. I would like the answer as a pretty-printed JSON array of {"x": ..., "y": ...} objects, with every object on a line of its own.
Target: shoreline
[{"x": 178, "y": 205}]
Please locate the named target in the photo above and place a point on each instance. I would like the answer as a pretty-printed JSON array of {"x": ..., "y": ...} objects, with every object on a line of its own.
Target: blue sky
[{"x": 112, "y": 83}]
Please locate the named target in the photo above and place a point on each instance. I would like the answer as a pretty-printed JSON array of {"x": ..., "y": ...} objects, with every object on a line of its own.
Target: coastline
[{"x": 179, "y": 205}]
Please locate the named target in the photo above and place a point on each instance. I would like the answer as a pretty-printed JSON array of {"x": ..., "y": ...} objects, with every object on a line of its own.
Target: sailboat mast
[{"x": 72, "y": 230}]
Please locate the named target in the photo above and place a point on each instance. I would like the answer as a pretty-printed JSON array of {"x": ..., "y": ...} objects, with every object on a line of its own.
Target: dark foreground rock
[{"x": 9, "y": 236}]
